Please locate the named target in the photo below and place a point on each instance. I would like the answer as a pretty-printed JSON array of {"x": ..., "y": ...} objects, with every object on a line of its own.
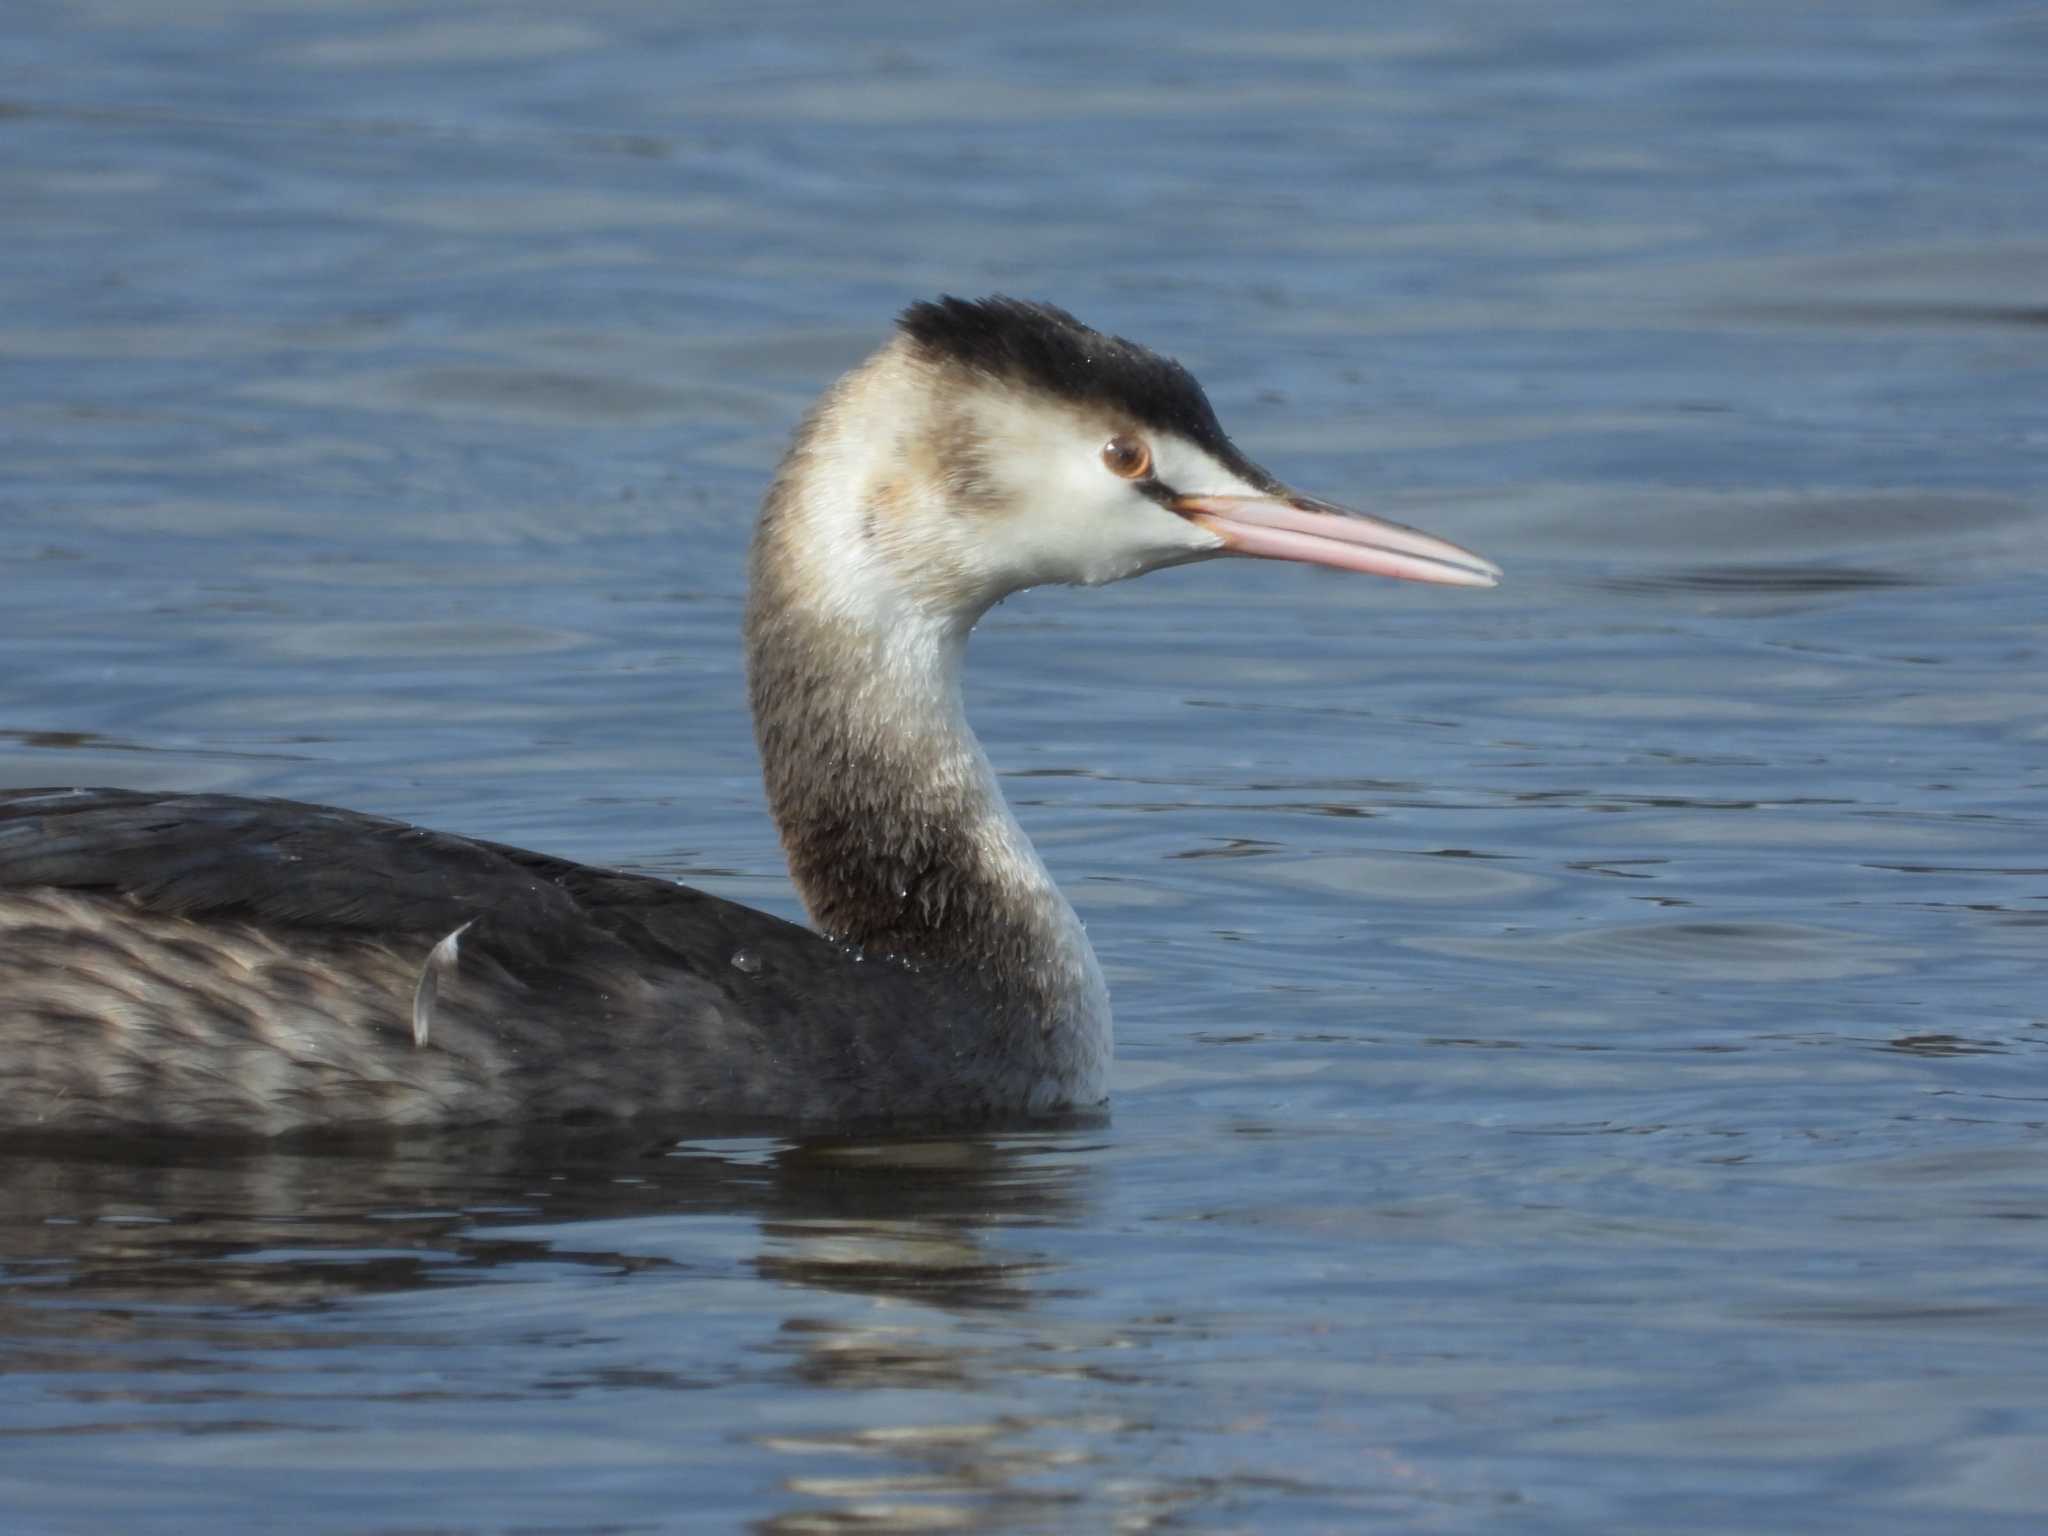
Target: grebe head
[{"x": 1000, "y": 444}]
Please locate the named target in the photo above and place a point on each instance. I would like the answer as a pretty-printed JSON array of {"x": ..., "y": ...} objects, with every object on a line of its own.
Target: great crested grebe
[{"x": 208, "y": 963}]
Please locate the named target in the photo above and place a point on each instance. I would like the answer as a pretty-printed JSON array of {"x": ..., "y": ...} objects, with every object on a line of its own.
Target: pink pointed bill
[{"x": 1288, "y": 527}]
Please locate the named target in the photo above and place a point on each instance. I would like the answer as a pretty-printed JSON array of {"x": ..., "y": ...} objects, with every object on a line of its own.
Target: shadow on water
[
  {"x": 152, "y": 1285},
  {"x": 284, "y": 1226},
  {"x": 1760, "y": 579}
]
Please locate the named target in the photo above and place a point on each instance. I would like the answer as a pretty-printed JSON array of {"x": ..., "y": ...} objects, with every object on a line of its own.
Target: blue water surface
[{"x": 1583, "y": 1059}]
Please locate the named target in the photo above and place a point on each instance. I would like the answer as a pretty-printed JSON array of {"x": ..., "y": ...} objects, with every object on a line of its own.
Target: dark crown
[{"x": 1043, "y": 347}]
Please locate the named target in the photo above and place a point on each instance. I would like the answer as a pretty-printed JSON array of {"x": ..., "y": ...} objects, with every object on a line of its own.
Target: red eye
[{"x": 1127, "y": 456}]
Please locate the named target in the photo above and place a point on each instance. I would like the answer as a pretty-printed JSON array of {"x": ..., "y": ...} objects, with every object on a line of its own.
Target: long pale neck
[{"x": 897, "y": 836}]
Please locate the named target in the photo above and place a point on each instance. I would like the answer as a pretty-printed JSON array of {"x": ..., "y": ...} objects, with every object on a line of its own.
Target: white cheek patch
[
  {"x": 1193, "y": 471},
  {"x": 1080, "y": 522},
  {"x": 1055, "y": 512}
]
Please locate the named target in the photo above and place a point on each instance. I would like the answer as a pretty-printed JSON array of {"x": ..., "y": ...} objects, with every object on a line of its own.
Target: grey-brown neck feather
[{"x": 897, "y": 836}]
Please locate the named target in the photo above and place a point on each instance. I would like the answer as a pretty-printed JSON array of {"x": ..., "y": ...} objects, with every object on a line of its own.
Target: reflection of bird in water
[
  {"x": 199, "y": 1276},
  {"x": 219, "y": 964}
]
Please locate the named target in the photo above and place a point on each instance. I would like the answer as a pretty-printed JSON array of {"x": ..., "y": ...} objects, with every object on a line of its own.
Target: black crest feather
[{"x": 1043, "y": 347}]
